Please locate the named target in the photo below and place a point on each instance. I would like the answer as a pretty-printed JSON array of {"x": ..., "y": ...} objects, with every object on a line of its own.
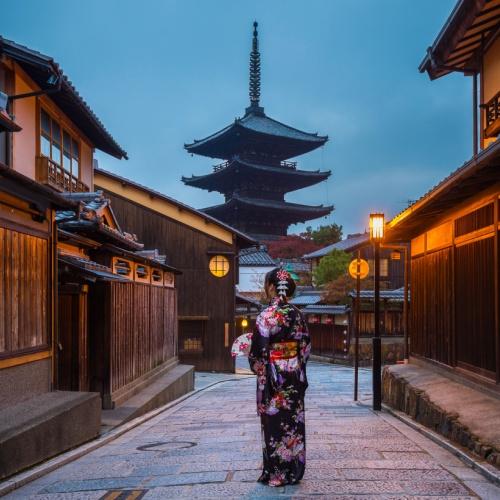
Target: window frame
[{"x": 64, "y": 131}]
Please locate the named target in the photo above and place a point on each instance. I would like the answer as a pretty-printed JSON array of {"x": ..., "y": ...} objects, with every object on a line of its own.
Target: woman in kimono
[{"x": 278, "y": 356}]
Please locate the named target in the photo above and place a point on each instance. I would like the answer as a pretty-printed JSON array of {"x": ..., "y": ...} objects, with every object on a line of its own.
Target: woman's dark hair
[{"x": 273, "y": 278}]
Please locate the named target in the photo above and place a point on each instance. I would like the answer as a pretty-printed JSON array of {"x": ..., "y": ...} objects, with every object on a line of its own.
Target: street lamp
[{"x": 377, "y": 224}]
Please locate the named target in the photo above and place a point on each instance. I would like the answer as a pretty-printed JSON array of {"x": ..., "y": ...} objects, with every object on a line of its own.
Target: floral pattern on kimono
[{"x": 281, "y": 386}]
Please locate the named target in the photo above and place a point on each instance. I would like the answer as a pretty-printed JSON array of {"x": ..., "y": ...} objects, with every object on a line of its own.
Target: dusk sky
[{"x": 162, "y": 73}]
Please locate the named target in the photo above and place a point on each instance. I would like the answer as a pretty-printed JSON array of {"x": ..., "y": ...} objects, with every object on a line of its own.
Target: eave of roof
[
  {"x": 140, "y": 258},
  {"x": 262, "y": 127},
  {"x": 468, "y": 28},
  {"x": 247, "y": 240},
  {"x": 37, "y": 66},
  {"x": 347, "y": 245},
  {"x": 447, "y": 193},
  {"x": 299, "y": 178},
  {"x": 280, "y": 206}
]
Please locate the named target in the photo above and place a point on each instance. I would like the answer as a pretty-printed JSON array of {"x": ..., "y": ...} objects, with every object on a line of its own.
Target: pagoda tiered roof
[
  {"x": 257, "y": 132},
  {"x": 225, "y": 176},
  {"x": 290, "y": 211}
]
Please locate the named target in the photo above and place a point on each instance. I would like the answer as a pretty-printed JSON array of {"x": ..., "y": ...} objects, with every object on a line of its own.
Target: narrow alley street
[{"x": 208, "y": 446}]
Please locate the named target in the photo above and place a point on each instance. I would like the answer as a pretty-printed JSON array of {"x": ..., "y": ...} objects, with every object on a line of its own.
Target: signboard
[{"x": 363, "y": 267}]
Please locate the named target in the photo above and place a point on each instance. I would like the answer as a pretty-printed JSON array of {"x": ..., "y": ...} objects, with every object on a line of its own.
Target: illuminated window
[{"x": 219, "y": 265}]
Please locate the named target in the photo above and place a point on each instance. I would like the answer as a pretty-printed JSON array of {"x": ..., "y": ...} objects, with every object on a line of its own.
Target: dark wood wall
[
  {"x": 454, "y": 291},
  {"x": 24, "y": 291},
  {"x": 132, "y": 330},
  {"x": 206, "y": 304}
]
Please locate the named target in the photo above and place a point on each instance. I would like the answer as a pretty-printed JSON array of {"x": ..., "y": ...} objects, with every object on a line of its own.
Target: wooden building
[
  {"x": 255, "y": 174},
  {"x": 117, "y": 305},
  {"x": 47, "y": 137},
  {"x": 83, "y": 307},
  {"x": 454, "y": 228},
  {"x": 391, "y": 262},
  {"x": 204, "y": 249}
]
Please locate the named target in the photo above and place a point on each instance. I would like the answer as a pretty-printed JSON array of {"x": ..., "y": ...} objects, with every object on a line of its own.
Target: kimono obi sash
[{"x": 283, "y": 350}]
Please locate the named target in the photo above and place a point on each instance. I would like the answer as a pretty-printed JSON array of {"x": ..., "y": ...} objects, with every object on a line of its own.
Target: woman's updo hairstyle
[{"x": 282, "y": 281}]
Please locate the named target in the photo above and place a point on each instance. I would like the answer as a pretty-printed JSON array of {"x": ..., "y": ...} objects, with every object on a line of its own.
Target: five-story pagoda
[{"x": 255, "y": 174}]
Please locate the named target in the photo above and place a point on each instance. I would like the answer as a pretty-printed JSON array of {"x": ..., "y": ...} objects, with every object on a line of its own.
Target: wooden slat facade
[
  {"x": 133, "y": 331},
  {"x": 454, "y": 289},
  {"x": 206, "y": 304},
  {"x": 24, "y": 292}
]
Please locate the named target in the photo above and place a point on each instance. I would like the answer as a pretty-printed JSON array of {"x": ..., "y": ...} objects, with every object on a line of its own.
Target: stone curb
[
  {"x": 38, "y": 471},
  {"x": 489, "y": 472}
]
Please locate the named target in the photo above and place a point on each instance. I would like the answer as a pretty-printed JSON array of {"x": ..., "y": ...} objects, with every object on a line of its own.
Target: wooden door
[{"x": 73, "y": 342}]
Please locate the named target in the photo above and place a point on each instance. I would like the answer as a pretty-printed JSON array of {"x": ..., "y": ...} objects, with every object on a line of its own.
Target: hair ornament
[{"x": 282, "y": 287}]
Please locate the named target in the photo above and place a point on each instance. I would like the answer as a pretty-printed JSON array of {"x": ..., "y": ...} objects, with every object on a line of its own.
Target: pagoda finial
[{"x": 255, "y": 69}]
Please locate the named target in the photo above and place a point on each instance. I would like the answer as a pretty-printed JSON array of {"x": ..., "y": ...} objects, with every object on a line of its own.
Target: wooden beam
[{"x": 22, "y": 360}]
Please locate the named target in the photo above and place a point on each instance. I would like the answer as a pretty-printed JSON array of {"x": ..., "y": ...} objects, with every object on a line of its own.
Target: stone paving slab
[{"x": 208, "y": 446}]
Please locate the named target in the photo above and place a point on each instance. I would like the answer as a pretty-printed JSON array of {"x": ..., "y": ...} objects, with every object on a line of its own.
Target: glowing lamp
[
  {"x": 244, "y": 322},
  {"x": 377, "y": 224}
]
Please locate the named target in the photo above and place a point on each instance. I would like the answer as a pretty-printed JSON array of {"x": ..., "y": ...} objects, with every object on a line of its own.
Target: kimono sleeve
[
  {"x": 305, "y": 341},
  {"x": 258, "y": 356}
]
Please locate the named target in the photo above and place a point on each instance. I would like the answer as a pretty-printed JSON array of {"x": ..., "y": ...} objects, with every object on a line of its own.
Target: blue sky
[{"x": 161, "y": 73}]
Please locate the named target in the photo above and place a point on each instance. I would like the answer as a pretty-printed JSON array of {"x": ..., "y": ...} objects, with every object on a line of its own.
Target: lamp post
[{"x": 376, "y": 236}]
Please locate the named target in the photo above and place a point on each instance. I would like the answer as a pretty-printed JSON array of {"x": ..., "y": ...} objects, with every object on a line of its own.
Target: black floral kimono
[{"x": 278, "y": 356}]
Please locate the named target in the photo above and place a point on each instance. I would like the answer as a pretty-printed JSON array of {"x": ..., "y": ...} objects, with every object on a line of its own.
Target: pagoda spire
[{"x": 254, "y": 86}]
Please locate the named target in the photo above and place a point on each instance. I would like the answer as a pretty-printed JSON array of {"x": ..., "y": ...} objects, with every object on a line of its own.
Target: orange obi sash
[{"x": 283, "y": 350}]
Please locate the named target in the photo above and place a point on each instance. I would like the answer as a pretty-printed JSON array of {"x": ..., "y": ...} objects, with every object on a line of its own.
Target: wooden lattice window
[
  {"x": 122, "y": 267},
  {"x": 157, "y": 277},
  {"x": 219, "y": 265},
  {"x": 482, "y": 217},
  {"x": 168, "y": 279},
  {"x": 59, "y": 145},
  {"x": 142, "y": 273}
]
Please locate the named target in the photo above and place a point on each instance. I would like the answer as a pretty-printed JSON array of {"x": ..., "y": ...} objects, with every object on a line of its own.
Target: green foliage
[
  {"x": 331, "y": 267},
  {"x": 324, "y": 235}
]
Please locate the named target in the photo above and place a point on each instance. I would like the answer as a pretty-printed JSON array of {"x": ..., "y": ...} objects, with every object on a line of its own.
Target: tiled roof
[
  {"x": 396, "y": 295},
  {"x": 309, "y": 299},
  {"x": 453, "y": 186},
  {"x": 264, "y": 125},
  {"x": 242, "y": 236},
  {"x": 89, "y": 267},
  {"x": 325, "y": 309},
  {"x": 39, "y": 67},
  {"x": 345, "y": 245},
  {"x": 87, "y": 219},
  {"x": 255, "y": 256},
  {"x": 308, "y": 210}
]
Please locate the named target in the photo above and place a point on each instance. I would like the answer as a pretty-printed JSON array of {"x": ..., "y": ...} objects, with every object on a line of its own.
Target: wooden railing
[
  {"x": 285, "y": 164},
  {"x": 52, "y": 174},
  {"x": 492, "y": 115}
]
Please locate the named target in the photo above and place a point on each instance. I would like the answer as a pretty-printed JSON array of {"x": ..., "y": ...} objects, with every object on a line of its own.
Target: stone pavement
[{"x": 208, "y": 446}]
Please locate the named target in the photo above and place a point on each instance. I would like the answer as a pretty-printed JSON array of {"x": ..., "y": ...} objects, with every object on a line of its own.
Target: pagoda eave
[
  {"x": 223, "y": 179},
  {"x": 291, "y": 212},
  {"x": 257, "y": 132}
]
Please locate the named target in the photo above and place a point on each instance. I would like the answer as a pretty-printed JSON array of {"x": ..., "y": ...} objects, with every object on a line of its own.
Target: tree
[
  {"x": 324, "y": 235},
  {"x": 292, "y": 246},
  {"x": 331, "y": 267},
  {"x": 337, "y": 291}
]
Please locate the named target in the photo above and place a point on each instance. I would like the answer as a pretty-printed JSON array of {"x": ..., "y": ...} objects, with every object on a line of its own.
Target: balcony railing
[
  {"x": 52, "y": 174},
  {"x": 285, "y": 164},
  {"x": 492, "y": 115}
]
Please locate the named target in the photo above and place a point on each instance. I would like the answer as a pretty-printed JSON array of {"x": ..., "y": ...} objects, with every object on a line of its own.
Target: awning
[{"x": 89, "y": 268}]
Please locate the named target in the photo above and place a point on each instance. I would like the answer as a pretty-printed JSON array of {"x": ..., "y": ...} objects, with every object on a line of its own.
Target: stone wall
[
  {"x": 401, "y": 395},
  {"x": 392, "y": 350}
]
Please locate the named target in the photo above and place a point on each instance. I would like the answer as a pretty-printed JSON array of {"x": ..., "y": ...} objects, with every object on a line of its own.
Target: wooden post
[
  {"x": 475, "y": 144},
  {"x": 496, "y": 270},
  {"x": 376, "y": 342},
  {"x": 405, "y": 305},
  {"x": 357, "y": 318}
]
